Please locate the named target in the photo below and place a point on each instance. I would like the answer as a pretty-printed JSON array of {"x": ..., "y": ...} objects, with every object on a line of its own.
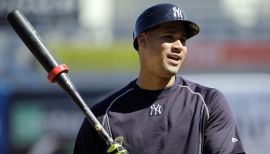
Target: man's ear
[{"x": 142, "y": 40}]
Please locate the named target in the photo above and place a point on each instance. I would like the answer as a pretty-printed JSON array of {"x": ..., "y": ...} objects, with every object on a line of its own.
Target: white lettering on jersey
[
  {"x": 155, "y": 110},
  {"x": 234, "y": 140}
]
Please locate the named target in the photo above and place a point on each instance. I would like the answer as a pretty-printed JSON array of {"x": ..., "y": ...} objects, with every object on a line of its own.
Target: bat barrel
[{"x": 31, "y": 39}]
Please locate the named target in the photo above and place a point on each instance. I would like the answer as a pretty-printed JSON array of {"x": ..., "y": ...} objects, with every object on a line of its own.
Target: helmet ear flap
[{"x": 135, "y": 44}]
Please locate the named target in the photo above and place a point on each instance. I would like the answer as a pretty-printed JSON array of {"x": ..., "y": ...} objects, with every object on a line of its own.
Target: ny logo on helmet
[{"x": 177, "y": 12}]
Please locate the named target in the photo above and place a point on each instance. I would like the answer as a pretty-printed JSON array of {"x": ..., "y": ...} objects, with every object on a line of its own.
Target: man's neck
[{"x": 155, "y": 83}]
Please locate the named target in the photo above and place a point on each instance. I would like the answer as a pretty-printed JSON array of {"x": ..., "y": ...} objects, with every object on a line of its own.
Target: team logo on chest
[{"x": 155, "y": 110}]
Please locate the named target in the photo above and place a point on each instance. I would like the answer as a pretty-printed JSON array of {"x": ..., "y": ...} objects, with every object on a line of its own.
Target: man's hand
[{"x": 116, "y": 147}]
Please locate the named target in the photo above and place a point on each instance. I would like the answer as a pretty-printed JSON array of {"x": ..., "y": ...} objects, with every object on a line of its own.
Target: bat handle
[{"x": 66, "y": 84}]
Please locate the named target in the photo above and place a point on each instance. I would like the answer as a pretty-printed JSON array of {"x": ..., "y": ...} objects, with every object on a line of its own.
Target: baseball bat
[{"x": 58, "y": 73}]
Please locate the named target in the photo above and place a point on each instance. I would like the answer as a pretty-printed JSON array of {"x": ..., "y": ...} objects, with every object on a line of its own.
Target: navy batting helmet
[{"x": 159, "y": 14}]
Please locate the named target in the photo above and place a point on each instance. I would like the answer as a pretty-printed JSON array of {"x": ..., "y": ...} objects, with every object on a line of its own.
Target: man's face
[{"x": 163, "y": 50}]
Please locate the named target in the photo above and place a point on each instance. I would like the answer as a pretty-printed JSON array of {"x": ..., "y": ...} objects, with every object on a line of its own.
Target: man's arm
[{"x": 221, "y": 134}]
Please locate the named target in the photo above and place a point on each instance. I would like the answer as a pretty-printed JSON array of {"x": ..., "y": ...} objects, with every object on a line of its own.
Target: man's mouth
[{"x": 174, "y": 57}]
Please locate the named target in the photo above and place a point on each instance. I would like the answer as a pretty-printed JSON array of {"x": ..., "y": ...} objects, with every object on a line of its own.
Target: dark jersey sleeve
[
  {"x": 88, "y": 141},
  {"x": 221, "y": 134}
]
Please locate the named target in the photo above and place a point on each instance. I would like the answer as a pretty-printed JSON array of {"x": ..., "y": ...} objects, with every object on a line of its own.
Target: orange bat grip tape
[{"x": 56, "y": 71}]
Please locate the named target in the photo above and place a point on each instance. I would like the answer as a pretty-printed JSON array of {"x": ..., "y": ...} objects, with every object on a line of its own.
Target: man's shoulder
[
  {"x": 196, "y": 87},
  {"x": 208, "y": 93}
]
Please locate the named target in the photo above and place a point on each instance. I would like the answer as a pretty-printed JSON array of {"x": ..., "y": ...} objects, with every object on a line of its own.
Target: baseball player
[{"x": 160, "y": 112}]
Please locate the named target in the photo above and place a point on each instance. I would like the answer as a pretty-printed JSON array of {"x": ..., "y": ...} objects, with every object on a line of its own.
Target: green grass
[{"x": 84, "y": 57}]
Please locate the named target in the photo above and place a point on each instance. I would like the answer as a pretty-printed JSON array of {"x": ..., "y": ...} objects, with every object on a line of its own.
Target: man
[{"x": 161, "y": 112}]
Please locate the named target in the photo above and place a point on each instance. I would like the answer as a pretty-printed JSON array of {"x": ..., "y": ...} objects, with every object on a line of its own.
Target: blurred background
[{"x": 94, "y": 38}]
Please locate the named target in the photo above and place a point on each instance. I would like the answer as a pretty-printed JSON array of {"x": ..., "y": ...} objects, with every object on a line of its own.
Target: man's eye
[{"x": 168, "y": 38}]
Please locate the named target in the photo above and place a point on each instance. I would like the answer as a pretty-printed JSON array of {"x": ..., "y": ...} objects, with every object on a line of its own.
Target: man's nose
[{"x": 177, "y": 46}]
